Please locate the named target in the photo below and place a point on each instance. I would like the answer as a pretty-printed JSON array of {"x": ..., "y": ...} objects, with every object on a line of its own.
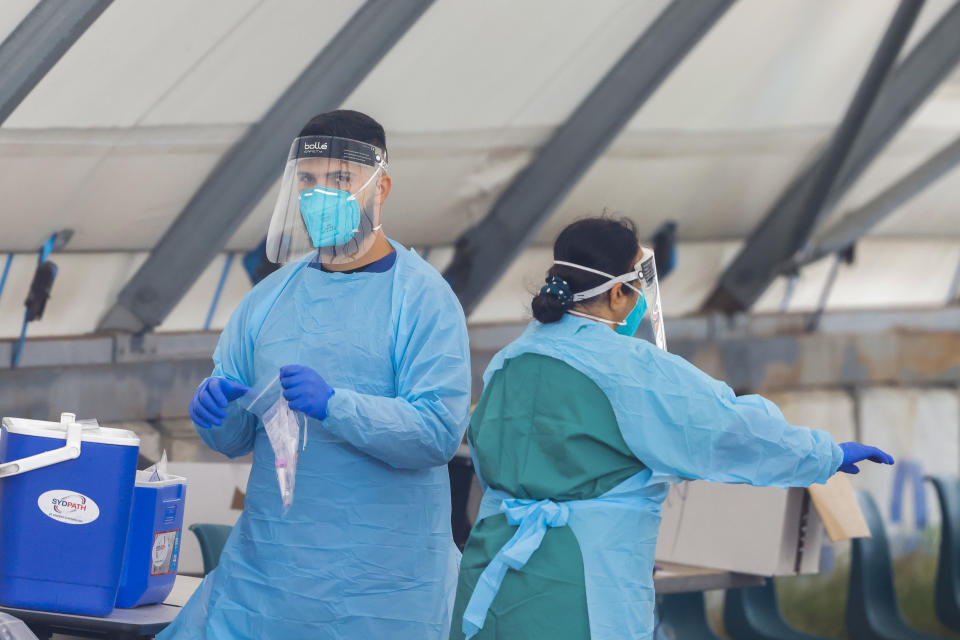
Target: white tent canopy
[{"x": 125, "y": 128}]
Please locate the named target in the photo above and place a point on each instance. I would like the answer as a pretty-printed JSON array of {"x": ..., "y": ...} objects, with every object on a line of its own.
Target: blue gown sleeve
[
  {"x": 424, "y": 424},
  {"x": 690, "y": 425},
  {"x": 233, "y": 359}
]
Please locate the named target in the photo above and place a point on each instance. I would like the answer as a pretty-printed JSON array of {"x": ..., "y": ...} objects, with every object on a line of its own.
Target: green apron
[{"x": 542, "y": 430}]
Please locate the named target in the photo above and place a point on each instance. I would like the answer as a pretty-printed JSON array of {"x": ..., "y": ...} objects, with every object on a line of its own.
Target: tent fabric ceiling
[
  {"x": 163, "y": 62},
  {"x": 11, "y": 13},
  {"x": 117, "y": 138}
]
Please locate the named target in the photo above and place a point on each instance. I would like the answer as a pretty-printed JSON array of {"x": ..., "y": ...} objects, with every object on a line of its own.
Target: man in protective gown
[{"x": 370, "y": 346}]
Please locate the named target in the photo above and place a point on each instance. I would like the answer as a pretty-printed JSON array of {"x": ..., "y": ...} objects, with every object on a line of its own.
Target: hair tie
[{"x": 559, "y": 289}]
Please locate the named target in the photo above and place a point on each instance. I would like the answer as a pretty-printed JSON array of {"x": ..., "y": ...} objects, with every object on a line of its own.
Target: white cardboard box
[{"x": 759, "y": 530}]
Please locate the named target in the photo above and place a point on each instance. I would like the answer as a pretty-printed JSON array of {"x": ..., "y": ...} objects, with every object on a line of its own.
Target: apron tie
[{"x": 534, "y": 518}]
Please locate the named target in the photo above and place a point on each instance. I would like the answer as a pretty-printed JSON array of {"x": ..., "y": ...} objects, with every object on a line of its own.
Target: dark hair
[
  {"x": 345, "y": 123},
  {"x": 607, "y": 244}
]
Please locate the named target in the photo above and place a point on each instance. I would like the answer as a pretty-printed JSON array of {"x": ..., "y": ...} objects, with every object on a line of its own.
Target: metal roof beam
[
  {"x": 250, "y": 168},
  {"x": 793, "y": 219},
  {"x": 857, "y": 223},
  {"x": 485, "y": 251},
  {"x": 38, "y": 42}
]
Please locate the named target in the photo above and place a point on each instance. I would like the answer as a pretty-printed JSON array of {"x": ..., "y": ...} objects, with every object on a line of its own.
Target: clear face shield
[
  {"x": 328, "y": 202},
  {"x": 650, "y": 286},
  {"x": 644, "y": 275}
]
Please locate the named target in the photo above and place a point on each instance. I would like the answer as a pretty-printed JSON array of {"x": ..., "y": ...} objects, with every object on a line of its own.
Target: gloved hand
[
  {"x": 305, "y": 390},
  {"x": 854, "y": 452},
  {"x": 209, "y": 405}
]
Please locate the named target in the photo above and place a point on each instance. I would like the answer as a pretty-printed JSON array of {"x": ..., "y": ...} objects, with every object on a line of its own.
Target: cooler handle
[{"x": 69, "y": 451}]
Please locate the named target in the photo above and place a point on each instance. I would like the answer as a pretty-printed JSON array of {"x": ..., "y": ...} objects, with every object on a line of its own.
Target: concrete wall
[{"x": 915, "y": 424}]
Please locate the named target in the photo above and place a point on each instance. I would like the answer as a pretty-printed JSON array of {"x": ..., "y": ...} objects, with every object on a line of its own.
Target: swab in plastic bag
[{"x": 283, "y": 430}]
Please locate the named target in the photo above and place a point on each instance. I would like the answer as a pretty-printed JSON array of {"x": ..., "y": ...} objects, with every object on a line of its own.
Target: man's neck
[{"x": 381, "y": 249}]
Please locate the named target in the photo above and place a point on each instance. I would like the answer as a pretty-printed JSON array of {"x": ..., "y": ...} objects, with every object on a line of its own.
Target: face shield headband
[{"x": 625, "y": 279}]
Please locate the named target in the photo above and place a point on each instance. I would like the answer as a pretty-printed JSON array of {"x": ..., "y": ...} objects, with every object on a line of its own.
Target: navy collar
[{"x": 382, "y": 265}]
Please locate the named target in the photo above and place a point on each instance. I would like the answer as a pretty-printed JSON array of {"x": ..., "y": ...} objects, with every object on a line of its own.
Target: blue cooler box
[
  {"x": 65, "y": 495},
  {"x": 153, "y": 543}
]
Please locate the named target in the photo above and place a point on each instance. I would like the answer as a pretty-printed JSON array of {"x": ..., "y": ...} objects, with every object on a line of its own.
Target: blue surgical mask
[
  {"x": 632, "y": 321},
  {"x": 332, "y": 216}
]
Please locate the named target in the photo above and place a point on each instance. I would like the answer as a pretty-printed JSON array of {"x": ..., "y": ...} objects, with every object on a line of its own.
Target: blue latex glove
[
  {"x": 305, "y": 390},
  {"x": 854, "y": 452},
  {"x": 209, "y": 405}
]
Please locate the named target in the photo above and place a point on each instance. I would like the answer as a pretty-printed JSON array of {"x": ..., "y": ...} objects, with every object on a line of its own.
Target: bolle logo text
[{"x": 314, "y": 146}]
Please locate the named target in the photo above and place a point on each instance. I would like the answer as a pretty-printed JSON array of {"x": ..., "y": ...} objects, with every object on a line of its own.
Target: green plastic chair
[
  {"x": 211, "y": 537},
  {"x": 872, "y": 609},
  {"x": 947, "y": 598},
  {"x": 752, "y": 613},
  {"x": 683, "y": 616}
]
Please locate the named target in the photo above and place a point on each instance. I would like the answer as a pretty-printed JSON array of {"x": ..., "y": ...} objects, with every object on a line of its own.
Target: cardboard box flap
[
  {"x": 737, "y": 527},
  {"x": 837, "y": 505},
  {"x": 238, "y": 499}
]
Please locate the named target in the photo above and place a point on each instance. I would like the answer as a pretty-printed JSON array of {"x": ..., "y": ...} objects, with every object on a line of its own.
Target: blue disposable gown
[
  {"x": 365, "y": 551},
  {"x": 676, "y": 419},
  {"x": 682, "y": 424}
]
